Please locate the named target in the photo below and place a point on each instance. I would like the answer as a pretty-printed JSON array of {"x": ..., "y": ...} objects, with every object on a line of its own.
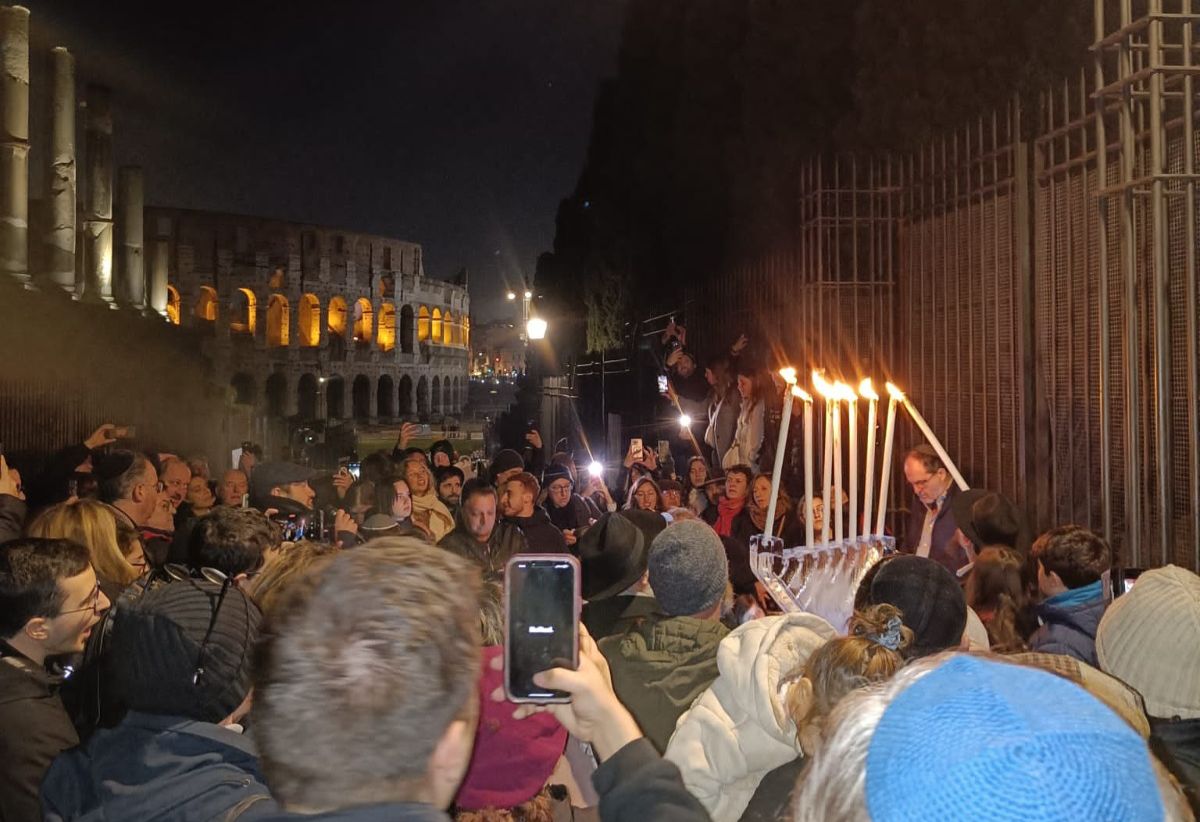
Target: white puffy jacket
[{"x": 738, "y": 730}]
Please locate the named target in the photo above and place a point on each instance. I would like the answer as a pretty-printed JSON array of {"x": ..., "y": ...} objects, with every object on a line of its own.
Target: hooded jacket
[
  {"x": 575, "y": 515},
  {"x": 491, "y": 557},
  {"x": 739, "y": 729},
  {"x": 1070, "y": 628},
  {"x": 540, "y": 532},
  {"x": 158, "y": 768},
  {"x": 34, "y": 729},
  {"x": 659, "y": 668}
]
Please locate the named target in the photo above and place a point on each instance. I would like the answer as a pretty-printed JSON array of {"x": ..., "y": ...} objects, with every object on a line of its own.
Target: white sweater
[{"x": 738, "y": 730}]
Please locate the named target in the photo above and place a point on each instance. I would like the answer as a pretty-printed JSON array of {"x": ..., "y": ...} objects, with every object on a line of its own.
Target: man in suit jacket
[{"x": 931, "y": 528}]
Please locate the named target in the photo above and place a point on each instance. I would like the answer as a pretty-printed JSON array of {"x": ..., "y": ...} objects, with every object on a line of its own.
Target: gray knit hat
[
  {"x": 688, "y": 568},
  {"x": 1150, "y": 638}
]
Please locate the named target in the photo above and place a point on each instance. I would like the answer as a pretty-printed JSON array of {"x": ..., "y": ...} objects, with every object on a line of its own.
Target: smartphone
[
  {"x": 635, "y": 448},
  {"x": 662, "y": 384},
  {"x": 541, "y": 608},
  {"x": 664, "y": 450},
  {"x": 355, "y": 468}
]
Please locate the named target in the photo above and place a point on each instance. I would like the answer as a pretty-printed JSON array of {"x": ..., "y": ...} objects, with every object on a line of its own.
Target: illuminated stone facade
[{"x": 311, "y": 321}]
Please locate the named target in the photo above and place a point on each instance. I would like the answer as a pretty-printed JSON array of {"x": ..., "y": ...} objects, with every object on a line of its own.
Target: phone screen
[
  {"x": 542, "y": 621},
  {"x": 635, "y": 446},
  {"x": 662, "y": 384},
  {"x": 355, "y": 468}
]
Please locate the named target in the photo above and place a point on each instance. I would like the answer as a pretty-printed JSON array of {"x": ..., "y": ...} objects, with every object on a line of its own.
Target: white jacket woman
[{"x": 740, "y": 729}]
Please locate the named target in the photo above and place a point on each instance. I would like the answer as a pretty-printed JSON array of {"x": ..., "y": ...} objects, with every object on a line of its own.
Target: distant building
[
  {"x": 497, "y": 349},
  {"x": 311, "y": 321}
]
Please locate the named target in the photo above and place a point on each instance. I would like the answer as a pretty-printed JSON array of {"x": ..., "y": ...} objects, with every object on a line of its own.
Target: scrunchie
[{"x": 890, "y": 637}]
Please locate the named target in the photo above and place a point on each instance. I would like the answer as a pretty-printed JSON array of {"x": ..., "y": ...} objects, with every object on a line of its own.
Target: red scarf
[{"x": 727, "y": 511}]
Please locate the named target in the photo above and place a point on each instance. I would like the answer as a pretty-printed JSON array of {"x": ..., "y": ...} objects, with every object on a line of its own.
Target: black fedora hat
[
  {"x": 613, "y": 552},
  {"x": 988, "y": 518}
]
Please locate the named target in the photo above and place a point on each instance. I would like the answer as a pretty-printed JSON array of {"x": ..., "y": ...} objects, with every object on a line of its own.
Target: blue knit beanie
[{"x": 981, "y": 740}]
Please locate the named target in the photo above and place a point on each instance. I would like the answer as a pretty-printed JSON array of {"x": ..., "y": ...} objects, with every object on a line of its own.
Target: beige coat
[{"x": 738, "y": 730}]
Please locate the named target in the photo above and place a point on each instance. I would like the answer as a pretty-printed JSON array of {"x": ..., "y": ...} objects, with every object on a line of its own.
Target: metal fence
[{"x": 1031, "y": 280}]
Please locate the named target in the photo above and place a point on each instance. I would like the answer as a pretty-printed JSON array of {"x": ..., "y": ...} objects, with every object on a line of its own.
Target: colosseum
[{"x": 310, "y": 321}]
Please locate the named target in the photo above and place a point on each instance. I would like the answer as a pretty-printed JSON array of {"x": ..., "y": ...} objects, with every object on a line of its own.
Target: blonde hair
[
  {"x": 293, "y": 562},
  {"x": 845, "y": 664},
  {"x": 491, "y": 613},
  {"x": 93, "y": 525}
]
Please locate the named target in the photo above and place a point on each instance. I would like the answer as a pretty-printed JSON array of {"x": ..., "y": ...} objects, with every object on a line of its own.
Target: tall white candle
[
  {"x": 852, "y": 435},
  {"x": 789, "y": 376},
  {"x": 935, "y": 442},
  {"x": 866, "y": 391},
  {"x": 826, "y": 390},
  {"x": 885, "y": 468},
  {"x": 837, "y": 470},
  {"x": 808, "y": 464}
]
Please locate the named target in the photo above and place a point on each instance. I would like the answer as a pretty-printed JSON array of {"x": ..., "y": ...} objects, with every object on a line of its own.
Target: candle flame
[
  {"x": 823, "y": 386},
  {"x": 894, "y": 392},
  {"x": 789, "y": 375},
  {"x": 800, "y": 394},
  {"x": 844, "y": 392},
  {"x": 866, "y": 390}
]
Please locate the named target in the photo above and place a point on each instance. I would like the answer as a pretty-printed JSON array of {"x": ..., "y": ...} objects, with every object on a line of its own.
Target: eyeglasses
[{"x": 89, "y": 604}]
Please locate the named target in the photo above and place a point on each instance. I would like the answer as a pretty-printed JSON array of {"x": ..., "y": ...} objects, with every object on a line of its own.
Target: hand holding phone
[
  {"x": 541, "y": 604},
  {"x": 636, "y": 450}
]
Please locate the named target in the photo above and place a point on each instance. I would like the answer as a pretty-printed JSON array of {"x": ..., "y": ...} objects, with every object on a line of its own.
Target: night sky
[{"x": 458, "y": 124}]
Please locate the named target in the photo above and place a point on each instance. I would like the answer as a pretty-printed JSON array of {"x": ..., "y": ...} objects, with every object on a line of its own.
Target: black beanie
[
  {"x": 506, "y": 459},
  {"x": 156, "y": 649}
]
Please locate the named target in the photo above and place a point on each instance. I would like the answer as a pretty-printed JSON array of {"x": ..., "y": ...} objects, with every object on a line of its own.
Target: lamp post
[{"x": 526, "y": 329}]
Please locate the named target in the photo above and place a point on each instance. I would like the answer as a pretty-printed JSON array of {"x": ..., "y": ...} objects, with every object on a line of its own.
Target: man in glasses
[
  {"x": 931, "y": 525},
  {"x": 180, "y": 663},
  {"x": 49, "y": 603},
  {"x": 129, "y": 482}
]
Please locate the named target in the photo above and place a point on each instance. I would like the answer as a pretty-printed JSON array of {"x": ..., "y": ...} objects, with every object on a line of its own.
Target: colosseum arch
[
  {"x": 385, "y": 398},
  {"x": 173, "y": 305},
  {"x": 386, "y": 336},
  {"x": 307, "y": 391},
  {"x": 448, "y": 328},
  {"x": 277, "y": 391},
  {"x": 207, "y": 304},
  {"x": 335, "y": 398},
  {"x": 244, "y": 388},
  {"x": 405, "y": 396},
  {"x": 308, "y": 324},
  {"x": 243, "y": 313},
  {"x": 364, "y": 321},
  {"x": 278, "y": 321},
  {"x": 406, "y": 329},
  {"x": 435, "y": 328},
  {"x": 423, "y": 324},
  {"x": 361, "y": 397},
  {"x": 336, "y": 318},
  {"x": 423, "y": 396},
  {"x": 436, "y": 396}
]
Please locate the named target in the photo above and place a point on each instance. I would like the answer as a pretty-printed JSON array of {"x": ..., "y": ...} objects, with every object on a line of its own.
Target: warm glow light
[
  {"x": 894, "y": 392},
  {"x": 800, "y": 394},
  {"x": 866, "y": 390},
  {"x": 789, "y": 375},
  {"x": 844, "y": 392},
  {"x": 511, "y": 296},
  {"x": 529, "y": 295},
  {"x": 823, "y": 387},
  {"x": 596, "y": 469},
  {"x": 536, "y": 328},
  {"x": 685, "y": 421}
]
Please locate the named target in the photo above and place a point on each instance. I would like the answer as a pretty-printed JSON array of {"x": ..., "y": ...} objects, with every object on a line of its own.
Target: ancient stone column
[
  {"x": 60, "y": 233},
  {"x": 131, "y": 264},
  {"x": 14, "y": 143},
  {"x": 160, "y": 262},
  {"x": 98, "y": 206}
]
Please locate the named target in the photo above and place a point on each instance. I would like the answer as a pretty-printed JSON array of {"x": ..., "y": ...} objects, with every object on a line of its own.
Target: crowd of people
[{"x": 276, "y": 642}]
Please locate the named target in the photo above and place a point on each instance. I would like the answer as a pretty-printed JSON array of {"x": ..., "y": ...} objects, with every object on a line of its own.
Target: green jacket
[{"x": 660, "y": 666}]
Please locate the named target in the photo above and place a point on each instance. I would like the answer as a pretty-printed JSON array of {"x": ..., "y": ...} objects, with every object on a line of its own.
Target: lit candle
[
  {"x": 935, "y": 442},
  {"x": 825, "y": 389},
  {"x": 837, "y": 468},
  {"x": 789, "y": 377},
  {"x": 885, "y": 469},
  {"x": 852, "y": 426},
  {"x": 867, "y": 392},
  {"x": 808, "y": 463}
]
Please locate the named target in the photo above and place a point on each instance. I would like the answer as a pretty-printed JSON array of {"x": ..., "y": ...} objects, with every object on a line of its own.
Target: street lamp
[{"x": 536, "y": 328}]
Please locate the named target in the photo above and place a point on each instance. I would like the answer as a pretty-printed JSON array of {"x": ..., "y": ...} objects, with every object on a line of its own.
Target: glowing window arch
[
  {"x": 386, "y": 336},
  {"x": 337, "y": 317},
  {"x": 448, "y": 329},
  {"x": 245, "y": 308},
  {"x": 278, "y": 319},
  {"x": 435, "y": 332},
  {"x": 309, "y": 325},
  {"x": 466, "y": 331},
  {"x": 423, "y": 324},
  {"x": 207, "y": 304},
  {"x": 173, "y": 305},
  {"x": 364, "y": 320}
]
